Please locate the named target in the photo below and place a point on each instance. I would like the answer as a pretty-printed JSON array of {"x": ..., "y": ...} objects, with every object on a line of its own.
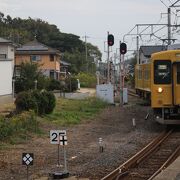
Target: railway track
[{"x": 151, "y": 160}]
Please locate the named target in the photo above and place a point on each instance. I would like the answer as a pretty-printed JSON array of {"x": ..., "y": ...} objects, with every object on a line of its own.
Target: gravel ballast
[{"x": 120, "y": 140}]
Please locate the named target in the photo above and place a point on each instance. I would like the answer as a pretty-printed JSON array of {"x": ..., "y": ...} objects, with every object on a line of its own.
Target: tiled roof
[
  {"x": 2, "y": 40},
  {"x": 148, "y": 50},
  {"x": 36, "y": 47}
]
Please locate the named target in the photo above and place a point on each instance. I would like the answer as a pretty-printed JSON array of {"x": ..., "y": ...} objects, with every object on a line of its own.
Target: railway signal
[
  {"x": 123, "y": 48},
  {"x": 110, "y": 40}
]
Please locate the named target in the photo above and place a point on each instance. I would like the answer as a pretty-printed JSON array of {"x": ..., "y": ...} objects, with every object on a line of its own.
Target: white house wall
[{"x": 5, "y": 77}]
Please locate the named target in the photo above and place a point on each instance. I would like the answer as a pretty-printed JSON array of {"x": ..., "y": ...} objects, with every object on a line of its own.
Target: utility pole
[
  {"x": 86, "y": 52},
  {"x": 108, "y": 78},
  {"x": 120, "y": 77},
  {"x": 169, "y": 26},
  {"x": 137, "y": 50}
]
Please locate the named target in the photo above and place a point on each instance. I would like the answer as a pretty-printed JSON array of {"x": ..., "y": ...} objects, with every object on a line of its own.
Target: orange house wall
[{"x": 44, "y": 62}]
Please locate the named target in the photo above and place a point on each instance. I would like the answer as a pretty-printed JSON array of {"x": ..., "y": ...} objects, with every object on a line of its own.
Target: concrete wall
[
  {"x": 8, "y": 50},
  {"x": 6, "y": 77}
]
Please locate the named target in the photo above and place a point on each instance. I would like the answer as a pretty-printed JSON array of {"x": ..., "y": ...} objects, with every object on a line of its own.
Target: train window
[
  {"x": 146, "y": 74},
  {"x": 162, "y": 72},
  {"x": 178, "y": 73},
  {"x": 139, "y": 74}
]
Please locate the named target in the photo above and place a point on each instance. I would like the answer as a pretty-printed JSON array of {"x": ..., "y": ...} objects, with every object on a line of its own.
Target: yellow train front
[{"x": 160, "y": 81}]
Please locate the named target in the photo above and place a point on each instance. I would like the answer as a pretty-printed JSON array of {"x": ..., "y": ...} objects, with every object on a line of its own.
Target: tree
[
  {"x": 21, "y": 31},
  {"x": 29, "y": 73}
]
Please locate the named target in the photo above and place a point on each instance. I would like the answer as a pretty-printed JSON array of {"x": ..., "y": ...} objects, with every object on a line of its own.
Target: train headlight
[{"x": 160, "y": 90}]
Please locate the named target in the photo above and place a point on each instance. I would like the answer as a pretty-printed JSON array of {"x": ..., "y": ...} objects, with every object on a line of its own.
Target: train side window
[
  {"x": 146, "y": 74},
  {"x": 162, "y": 72},
  {"x": 139, "y": 74},
  {"x": 178, "y": 73}
]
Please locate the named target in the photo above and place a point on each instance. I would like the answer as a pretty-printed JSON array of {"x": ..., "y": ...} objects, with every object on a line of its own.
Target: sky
[{"x": 93, "y": 18}]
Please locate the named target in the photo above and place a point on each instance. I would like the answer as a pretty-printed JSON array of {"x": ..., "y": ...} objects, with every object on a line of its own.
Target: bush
[
  {"x": 53, "y": 85},
  {"x": 6, "y": 128},
  {"x": 71, "y": 84},
  {"x": 50, "y": 102},
  {"x": 25, "y": 101},
  {"x": 42, "y": 102},
  {"x": 17, "y": 125},
  {"x": 87, "y": 80}
]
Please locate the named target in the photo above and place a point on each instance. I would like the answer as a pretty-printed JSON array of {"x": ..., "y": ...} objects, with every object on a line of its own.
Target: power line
[{"x": 164, "y": 3}]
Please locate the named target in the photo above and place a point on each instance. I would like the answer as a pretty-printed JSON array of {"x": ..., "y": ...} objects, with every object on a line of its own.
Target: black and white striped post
[{"x": 101, "y": 148}]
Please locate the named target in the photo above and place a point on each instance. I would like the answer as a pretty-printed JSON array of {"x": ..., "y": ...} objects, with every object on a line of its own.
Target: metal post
[
  {"x": 108, "y": 80},
  {"x": 70, "y": 85},
  {"x": 65, "y": 160},
  {"x": 35, "y": 87},
  {"x": 27, "y": 172},
  {"x": 13, "y": 88},
  {"x": 58, "y": 162},
  {"x": 86, "y": 50},
  {"x": 137, "y": 50},
  {"x": 169, "y": 26},
  {"x": 120, "y": 80},
  {"x": 115, "y": 74}
]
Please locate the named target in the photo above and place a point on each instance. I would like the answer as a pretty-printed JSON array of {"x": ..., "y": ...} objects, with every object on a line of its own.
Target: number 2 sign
[{"x": 55, "y": 136}]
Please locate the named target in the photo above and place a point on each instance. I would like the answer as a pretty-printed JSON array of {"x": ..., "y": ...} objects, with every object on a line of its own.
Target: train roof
[{"x": 168, "y": 52}]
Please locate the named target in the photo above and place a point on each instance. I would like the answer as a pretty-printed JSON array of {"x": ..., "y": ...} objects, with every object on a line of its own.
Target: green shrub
[
  {"x": 17, "y": 125},
  {"x": 19, "y": 85},
  {"x": 87, "y": 79},
  {"x": 25, "y": 121},
  {"x": 53, "y": 85},
  {"x": 42, "y": 102},
  {"x": 6, "y": 128},
  {"x": 50, "y": 102},
  {"x": 25, "y": 102},
  {"x": 71, "y": 84}
]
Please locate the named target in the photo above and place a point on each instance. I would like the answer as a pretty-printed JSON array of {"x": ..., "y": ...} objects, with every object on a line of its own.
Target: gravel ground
[{"x": 120, "y": 141}]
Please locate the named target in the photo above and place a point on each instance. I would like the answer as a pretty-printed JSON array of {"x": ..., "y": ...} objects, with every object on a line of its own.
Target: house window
[
  {"x": 51, "y": 74},
  {"x": 3, "y": 56},
  {"x": 51, "y": 56},
  {"x": 35, "y": 57}
]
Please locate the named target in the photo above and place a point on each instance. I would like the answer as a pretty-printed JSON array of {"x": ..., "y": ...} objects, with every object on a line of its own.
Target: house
[
  {"x": 146, "y": 51},
  {"x": 6, "y": 68},
  {"x": 47, "y": 57}
]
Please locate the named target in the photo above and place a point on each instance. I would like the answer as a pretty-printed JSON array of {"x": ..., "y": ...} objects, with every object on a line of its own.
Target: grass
[
  {"x": 22, "y": 127},
  {"x": 69, "y": 112}
]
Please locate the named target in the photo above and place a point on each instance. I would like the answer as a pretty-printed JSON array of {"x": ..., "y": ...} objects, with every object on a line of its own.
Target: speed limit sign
[{"x": 55, "y": 136}]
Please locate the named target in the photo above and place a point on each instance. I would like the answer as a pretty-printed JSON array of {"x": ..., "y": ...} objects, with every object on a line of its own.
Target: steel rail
[
  {"x": 173, "y": 156},
  {"x": 138, "y": 157}
]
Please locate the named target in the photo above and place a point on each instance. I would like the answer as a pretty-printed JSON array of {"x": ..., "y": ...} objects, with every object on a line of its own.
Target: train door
[{"x": 176, "y": 84}]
